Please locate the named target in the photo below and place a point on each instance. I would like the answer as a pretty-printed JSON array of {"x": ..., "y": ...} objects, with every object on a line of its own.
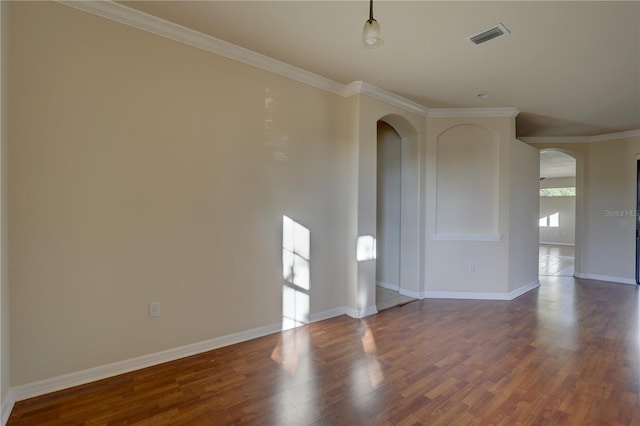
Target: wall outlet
[
  {"x": 154, "y": 309},
  {"x": 471, "y": 267}
]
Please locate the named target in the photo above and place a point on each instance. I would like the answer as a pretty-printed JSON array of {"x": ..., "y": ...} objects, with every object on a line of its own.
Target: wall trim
[
  {"x": 158, "y": 26},
  {"x": 388, "y": 286},
  {"x": 353, "y": 313},
  {"x": 89, "y": 375},
  {"x": 321, "y": 316},
  {"x": 473, "y": 112},
  {"x": 582, "y": 139},
  {"x": 143, "y": 21},
  {"x": 465, "y": 295},
  {"x": 524, "y": 289},
  {"x": 409, "y": 293},
  {"x": 456, "y": 237},
  {"x": 7, "y": 406},
  {"x": 384, "y": 95},
  {"x": 617, "y": 280},
  {"x": 482, "y": 296}
]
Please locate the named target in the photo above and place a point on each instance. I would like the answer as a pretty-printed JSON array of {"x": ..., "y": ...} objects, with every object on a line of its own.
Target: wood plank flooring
[{"x": 567, "y": 353}]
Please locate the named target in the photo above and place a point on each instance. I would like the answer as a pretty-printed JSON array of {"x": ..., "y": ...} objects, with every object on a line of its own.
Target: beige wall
[
  {"x": 410, "y": 127},
  {"x": 461, "y": 263},
  {"x": 487, "y": 246},
  {"x": 523, "y": 218},
  {"x": 611, "y": 196},
  {"x": 145, "y": 170},
  {"x": 605, "y": 201},
  {"x": 467, "y": 181},
  {"x": 5, "y": 349}
]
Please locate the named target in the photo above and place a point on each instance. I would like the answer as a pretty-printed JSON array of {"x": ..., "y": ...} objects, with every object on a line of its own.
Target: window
[{"x": 558, "y": 192}]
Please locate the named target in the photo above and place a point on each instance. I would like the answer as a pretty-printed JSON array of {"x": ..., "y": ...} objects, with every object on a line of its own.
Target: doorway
[
  {"x": 388, "y": 218},
  {"x": 557, "y": 221}
]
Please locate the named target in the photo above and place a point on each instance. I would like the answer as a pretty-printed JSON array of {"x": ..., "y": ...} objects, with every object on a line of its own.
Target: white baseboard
[
  {"x": 618, "y": 280},
  {"x": 77, "y": 378},
  {"x": 524, "y": 289},
  {"x": 353, "y": 313},
  {"x": 388, "y": 286},
  {"x": 395, "y": 287},
  {"x": 556, "y": 244},
  {"x": 8, "y": 402},
  {"x": 321, "y": 316},
  {"x": 481, "y": 296},
  {"x": 465, "y": 295},
  {"x": 409, "y": 293}
]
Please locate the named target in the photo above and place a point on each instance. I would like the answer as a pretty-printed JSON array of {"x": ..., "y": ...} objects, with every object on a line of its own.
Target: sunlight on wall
[
  {"x": 366, "y": 248},
  {"x": 275, "y": 137},
  {"x": 551, "y": 221},
  {"x": 296, "y": 254}
]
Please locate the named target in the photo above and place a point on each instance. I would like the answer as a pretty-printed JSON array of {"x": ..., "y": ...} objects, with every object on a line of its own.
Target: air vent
[{"x": 489, "y": 34}]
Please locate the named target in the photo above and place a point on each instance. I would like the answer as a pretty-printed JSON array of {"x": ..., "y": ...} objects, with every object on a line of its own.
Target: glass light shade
[{"x": 371, "y": 35}]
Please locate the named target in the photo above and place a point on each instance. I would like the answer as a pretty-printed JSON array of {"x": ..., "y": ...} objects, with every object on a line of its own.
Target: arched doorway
[
  {"x": 397, "y": 216},
  {"x": 558, "y": 223}
]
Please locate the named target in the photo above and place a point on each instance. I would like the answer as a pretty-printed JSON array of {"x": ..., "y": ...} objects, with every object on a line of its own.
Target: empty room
[{"x": 319, "y": 212}]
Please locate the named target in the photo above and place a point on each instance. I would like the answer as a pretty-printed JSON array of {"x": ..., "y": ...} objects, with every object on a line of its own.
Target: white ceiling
[
  {"x": 572, "y": 68},
  {"x": 555, "y": 164}
]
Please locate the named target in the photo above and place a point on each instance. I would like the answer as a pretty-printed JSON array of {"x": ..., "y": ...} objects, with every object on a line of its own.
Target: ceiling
[
  {"x": 572, "y": 68},
  {"x": 556, "y": 164}
]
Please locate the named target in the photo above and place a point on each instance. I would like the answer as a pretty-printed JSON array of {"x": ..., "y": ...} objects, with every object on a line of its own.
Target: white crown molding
[
  {"x": 614, "y": 136},
  {"x": 582, "y": 139},
  {"x": 149, "y": 23},
  {"x": 125, "y": 15},
  {"x": 473, "y": 112},
  {"x": 551, "y": 139},
  {"x": 385, "y": 96},
  {"x": 143, "y": 21}
]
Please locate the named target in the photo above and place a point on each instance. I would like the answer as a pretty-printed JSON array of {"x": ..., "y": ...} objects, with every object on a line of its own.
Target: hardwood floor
[{"x": 567, "y": 353}]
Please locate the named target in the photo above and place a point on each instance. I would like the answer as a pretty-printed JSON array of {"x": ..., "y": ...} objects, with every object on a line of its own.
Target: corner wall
[
  {"x": 523, "y": 215},
  {"x": 145, "y": 170},
  {"x": 5, "y": 332},
  {"x": 481, "y": 206},
  {"x": 611, "y": 193},
  {"x": 605, "y": 207},
  {"x": 471, "y": 262},
  {"x": 410, "y": 127}
]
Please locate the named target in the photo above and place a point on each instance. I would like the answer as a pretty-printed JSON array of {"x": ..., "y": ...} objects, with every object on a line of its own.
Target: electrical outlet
[
  {"x": 472, "y": 267},
  {"x": 154, "y": 309}
]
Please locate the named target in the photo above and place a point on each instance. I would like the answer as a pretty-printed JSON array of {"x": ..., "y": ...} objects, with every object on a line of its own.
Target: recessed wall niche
[{"x": 467, "y": 181}]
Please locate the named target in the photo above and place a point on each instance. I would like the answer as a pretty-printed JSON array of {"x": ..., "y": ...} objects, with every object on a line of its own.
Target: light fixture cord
[{"x": 370, "y": 12}]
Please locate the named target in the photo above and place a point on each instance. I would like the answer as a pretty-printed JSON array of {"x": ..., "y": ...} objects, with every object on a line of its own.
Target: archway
[
  {"x": 561, "y": 200},
  {"x": 397, "y": 209}
]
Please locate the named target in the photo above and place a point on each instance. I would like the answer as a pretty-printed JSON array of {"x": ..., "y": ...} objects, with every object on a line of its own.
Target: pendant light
[{"x": 371, "y": 34}]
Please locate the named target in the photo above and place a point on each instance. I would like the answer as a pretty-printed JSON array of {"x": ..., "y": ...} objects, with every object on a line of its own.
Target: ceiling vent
[{"x": 488, "y": 34}]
